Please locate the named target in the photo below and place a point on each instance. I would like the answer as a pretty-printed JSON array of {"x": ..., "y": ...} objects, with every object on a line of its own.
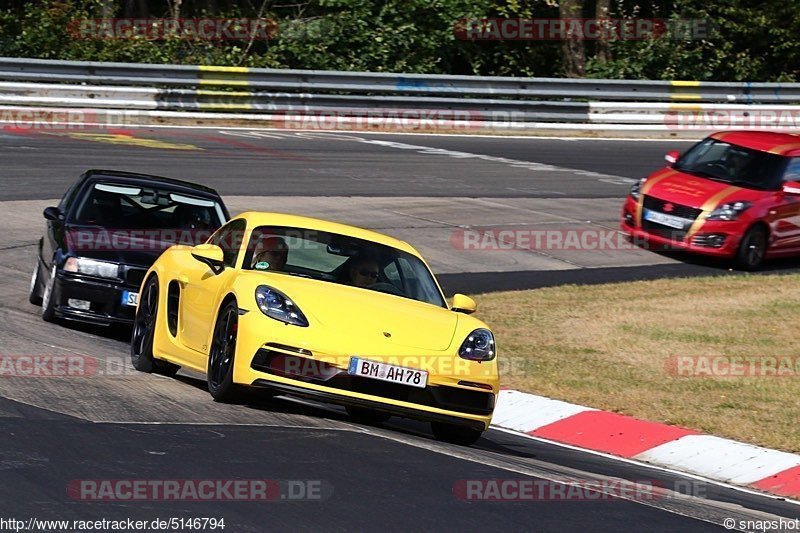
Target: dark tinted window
[
  {"x": 119, "y": 205},
  {"x": 734, "y": 164},
  {"x": 792, "y": 172},
  {"x": 69, "y": 196},
  {"x": 229, "y": 238}
]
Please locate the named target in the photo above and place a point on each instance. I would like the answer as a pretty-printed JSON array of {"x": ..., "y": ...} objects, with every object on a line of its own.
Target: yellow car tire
[
  {"x": 221, "y": 356},
  {"x": 143, "y": 336}
]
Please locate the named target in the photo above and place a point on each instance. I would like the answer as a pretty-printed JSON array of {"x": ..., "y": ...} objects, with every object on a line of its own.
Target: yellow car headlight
[
  {"x": 278, "y": 306},
  {"x": 478, "y": 346}
]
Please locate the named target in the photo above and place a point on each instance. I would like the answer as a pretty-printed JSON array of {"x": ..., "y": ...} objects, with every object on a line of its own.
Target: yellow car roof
[{"x": 261, "y": 218}]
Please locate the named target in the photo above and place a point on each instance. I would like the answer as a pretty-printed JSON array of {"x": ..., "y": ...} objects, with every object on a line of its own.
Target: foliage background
[{"x": 753, "y": 41}]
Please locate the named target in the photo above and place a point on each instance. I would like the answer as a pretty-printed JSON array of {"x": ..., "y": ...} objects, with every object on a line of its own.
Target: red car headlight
[
  {"x": 636, "y": 188},
  {"x": 729, "y": 211}
]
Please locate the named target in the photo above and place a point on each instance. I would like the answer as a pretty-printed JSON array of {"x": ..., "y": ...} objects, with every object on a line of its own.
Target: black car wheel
[
  {"x": 752, "y": 249},
  {"x": 463, "y": 436},
  {"x": 34, "y": 296},
  {"x": 367, "y": 416},
  {"x": 144, "y": 330},
  {"x": 222, "y": 354},
  {"x": 49, "y": 298}
]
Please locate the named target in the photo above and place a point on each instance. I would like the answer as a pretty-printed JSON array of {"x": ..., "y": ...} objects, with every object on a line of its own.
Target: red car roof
[{"x": 763, "y": 141}]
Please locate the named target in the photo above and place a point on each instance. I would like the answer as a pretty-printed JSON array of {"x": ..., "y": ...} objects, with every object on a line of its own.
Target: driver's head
[
  {"x": 192, "y": 217},
  {"x": 106, "y": 206},
  {"x": 200, "y": 218},
  {"x": 364, "y": 272},
  {"x": 737, "y": 161},
  {"x": 271, "y": 250}
]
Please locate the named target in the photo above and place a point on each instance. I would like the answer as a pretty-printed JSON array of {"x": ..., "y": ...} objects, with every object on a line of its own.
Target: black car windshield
[
  {"x": 116, "y": 205},
  {"x": 733, "y": 164},
  {"x": 341, "y": 259}
]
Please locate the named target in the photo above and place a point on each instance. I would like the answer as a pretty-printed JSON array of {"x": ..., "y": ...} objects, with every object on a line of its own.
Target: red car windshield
[{"x": 730, "y": 163}]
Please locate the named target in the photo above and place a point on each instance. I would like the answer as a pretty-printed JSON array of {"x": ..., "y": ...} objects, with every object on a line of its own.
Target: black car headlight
[
  {"x": 277, "y": 305},
  {"x": 729, "y": 211},
  {"x": 92, "y": 267},
  {"x": 478, "y": 346}
]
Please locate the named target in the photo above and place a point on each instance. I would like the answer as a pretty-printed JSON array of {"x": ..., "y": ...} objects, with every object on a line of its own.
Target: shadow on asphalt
[{"x": 690, "y": 265}]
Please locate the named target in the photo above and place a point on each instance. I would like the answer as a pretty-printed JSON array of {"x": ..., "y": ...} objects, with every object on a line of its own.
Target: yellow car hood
[{"x": 367, "y": 315}]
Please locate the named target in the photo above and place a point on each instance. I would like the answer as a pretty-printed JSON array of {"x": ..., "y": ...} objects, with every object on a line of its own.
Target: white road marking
[
  {"x": 516, "y": 163},
  {"x": 650, "y": 466},
  {"x": 517, "y": 410},
  {"x": 708, "y": 455}
]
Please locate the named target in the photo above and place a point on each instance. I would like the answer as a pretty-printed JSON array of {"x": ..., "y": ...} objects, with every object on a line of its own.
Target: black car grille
[
  {"x": 678, "y": 210},
  {"x": 135, "y": 276},
  {"x": 683, "y": 211}
]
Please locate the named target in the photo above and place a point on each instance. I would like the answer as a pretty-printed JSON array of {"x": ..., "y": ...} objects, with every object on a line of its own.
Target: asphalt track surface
[
  {"x": 473, "y": 282},
  {"x": 119, "y": 424},
  {"x": 37, "y": 163}
]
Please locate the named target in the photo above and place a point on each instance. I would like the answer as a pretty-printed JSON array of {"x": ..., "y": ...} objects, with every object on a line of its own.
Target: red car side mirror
[
  {"x": 791, "y": 187},
  {"x": 672, "y": 156}
]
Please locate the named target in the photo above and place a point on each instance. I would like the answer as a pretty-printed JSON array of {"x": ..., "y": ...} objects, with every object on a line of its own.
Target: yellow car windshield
[{"x": 341, "y": 259}]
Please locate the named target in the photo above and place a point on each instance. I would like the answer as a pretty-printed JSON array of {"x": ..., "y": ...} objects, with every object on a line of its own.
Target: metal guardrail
[
  {"x": 499, "y": 101},
  {"x": 316, "y": 81},
  {"x": 145, "y": 98}
]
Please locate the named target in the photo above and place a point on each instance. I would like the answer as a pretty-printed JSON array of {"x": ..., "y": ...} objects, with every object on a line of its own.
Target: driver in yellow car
[
  {"x": 272, "y": 253},
  {"x": 363, "y": 272}
]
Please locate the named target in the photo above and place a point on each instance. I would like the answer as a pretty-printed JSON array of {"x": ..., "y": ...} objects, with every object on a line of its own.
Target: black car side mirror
[{"x": 53, "y": 213}]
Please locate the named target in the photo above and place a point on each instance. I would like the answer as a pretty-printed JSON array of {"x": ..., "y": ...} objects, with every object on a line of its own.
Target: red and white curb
[{"x": 672, "y": 447}]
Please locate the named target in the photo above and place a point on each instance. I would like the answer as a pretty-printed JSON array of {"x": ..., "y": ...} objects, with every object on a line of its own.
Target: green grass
[{"x": 607, "y": 346}]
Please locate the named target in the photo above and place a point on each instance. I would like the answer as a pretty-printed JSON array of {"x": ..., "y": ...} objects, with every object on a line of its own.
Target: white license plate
[
  {"x": 390, "y": 373},
  {"x": 130, "y": 298},
  {"x": 665, "y": 219}
]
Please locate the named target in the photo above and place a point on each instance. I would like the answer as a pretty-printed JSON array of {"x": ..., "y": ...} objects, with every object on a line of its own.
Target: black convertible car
[{"x": 108, "y": 229}]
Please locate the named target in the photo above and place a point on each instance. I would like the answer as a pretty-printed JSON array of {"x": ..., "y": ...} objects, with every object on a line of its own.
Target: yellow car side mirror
[
  {"x": 210, "y": 254},
  {"x": 464, "y": 304}
]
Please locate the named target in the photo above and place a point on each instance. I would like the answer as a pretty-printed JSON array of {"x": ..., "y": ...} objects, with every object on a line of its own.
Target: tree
[
  {"x": 573, "y": 49},
  {"x": 602, "y": 12}
]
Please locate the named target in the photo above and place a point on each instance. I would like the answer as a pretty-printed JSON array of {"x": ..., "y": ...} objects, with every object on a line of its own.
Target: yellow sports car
[{"x": 296, "y": 305}]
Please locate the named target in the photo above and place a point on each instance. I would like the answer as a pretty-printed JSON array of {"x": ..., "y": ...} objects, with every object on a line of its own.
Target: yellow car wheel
[
  {"x": 222, "y": 354},
  {"x": 144, "y": 329}
]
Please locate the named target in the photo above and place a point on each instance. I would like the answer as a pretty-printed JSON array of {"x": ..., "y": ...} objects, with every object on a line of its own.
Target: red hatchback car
[{"x": 734, "y": 195}]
